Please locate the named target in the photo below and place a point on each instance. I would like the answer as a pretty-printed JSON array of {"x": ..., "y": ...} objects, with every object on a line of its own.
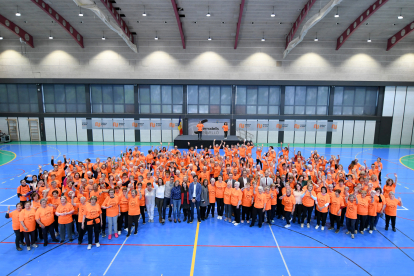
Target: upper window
[
  {"x": 355, "y": 100},
  {"x": 160, "y": 99},
  {"x": 64, "y": 98},
  {"x": 213, "y": 99},
  {"x": 309, "y": 100},
  {"x": 112, "y": 98},
  {"x": 257, "y": 100},
  {"x": 18, "y": 98}
]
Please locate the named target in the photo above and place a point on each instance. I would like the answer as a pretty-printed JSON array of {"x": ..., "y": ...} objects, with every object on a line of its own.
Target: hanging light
[
  {"x": 50, "y": 36},
  {"x": 316, "y": 37},
  {"x": 103, "y": 36},
  {"x": 399, "y": 17},
  {"x": 209, "y": 37},
  {"x": 208, "y": 11},
  {"x": 273, "y": 13},
  {"x": 263, "y": 38},
  {"x": 369, "y": 38},
  {"x": 144, "y": 14},
  {"x": 80, "y": 11},
  {"x": 17, "y": 12},
  {"x": 156, "y": 36},
  {"x": 337, "y": 13}
]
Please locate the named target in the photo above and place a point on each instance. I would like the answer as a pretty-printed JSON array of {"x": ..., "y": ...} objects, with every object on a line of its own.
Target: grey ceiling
[{"x": 221, "y": 25}]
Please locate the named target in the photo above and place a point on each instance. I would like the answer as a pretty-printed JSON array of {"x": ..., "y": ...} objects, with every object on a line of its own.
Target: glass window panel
[
  {"x": 262, "y": 109},
  {"x": 274, "y": 95},
  {"x": 360, "y": 96},
  {"x": 166, "y": 108},
  {"x": 203, "y": 94},
  {"x": 192, "y": 94},
  {"x": 214, "y": 109},
  {"x": 80, "y": 94},
  {"x": 263, "y": 98},
  {"x": 290, "y": 95},
  {"x": 24, "y": 107},
  {"x": 311, "y": 94},
  {"x": 145, "y": 109},
  {"x": 178, "y": 94},
  {"x": 119, "y": 96},
  {"x": 321, "y": 110},
  {"x": 107, "y": 95},
  {"x": 369, "y": 110},
  {"x": 96, "y": 108},
  {"x": 323, "y": 92},
  {"x": 82, "y": 108},
  {"x": 240, "y": 109},
  {"x": 273, "y": 110},
  {"x": 71, "y": 108},
  {"x": 34, "y": 107},
  {"x": 156, "y": 95},
  {"x": 251, "y": 109},
  {"x": 337, "y": 110},
  {"x": 203, "y": 108},
  {"x": 358, "y": 110},
  {"x": 3, "y": 93},
  {"x": 96, "y": 94},
  {"x": 60, "y": 108},
  {"x": 49, "y": 108},
  {"x": 300, "y": 95},
  {"x": 129, "y": 94},
  {"x": 4, "y": 107},
  {"x": 166, "y": 94},
  {"x": 13, "y": 107},
  {"x": 310, "y": 109},
  {"x": 226, "y": 95},
  {"x": 338, "y": 96},
  {"x": 192, "y": 108},
  {"x": 32, "y": 93},
  {"x": 12, "y": 93},
  {"x": 119, "y": 108},
  {"x": 225, "y": 109},
  {"x": 348, "y": 96},
  {"x": 288, "y": 109},
  {"x": 108, "y": 108},
  {"x": 251, "y": 96},
  {"x": 299, "y": 109},
  {"x": 60, "y": 94},
  {"x": 129, "y": 108},
  {"x": 23, "y": 93},
  {"x": 371, "y": 96},
  {"x": 144, "y": 96},
  {"x": 177, "y": 108},
  {"x": 241, "y": 95},
  {"x": 347, "y": 110},
  {"x": 155, "y": 108},
  {"x": 70, "y": 94},
  {"x": 215, "y": 95}
]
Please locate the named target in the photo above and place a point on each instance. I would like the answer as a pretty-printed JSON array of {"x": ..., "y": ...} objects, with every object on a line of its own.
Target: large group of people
[{"x": 112, "y": 195}]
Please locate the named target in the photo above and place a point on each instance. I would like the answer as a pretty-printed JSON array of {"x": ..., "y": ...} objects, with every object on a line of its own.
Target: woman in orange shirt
[
  {"x": 247, "y": 201},
  {"x": 289, "y": 202},
  {"x": 123, "y": 204},
  {"x": 227, "y": 201},
  {"x": 337, "y": 203},
  {"x": 93, "y": 219},
  {"x": 322, "y": 203},
  {"x": 133, "y": 211},
  {"x": 45, "y": 218},
  {"x": 308, "y": 201},
  {"x": 225, "y": 128},
  {"x": 362, "y": 211},
  {"x": 220, "y": 187},
  {"x": 16, "y": 224},
  {"x": 259, "y": 206},
  {"x": 111, "y": 204},
  {"x": 236, "y": 199},
  {"x": 27, "y": 218},
  {"x": 200, "y": 130},
  {"x": 351, "y": 202},
  {"x": 141, "y": 194},
  {"x": 390, "y": 186},
  {"x": 390, "y": 207},
  {"x": 64, "y": 213},
  {"x": 372, "y": 211}
]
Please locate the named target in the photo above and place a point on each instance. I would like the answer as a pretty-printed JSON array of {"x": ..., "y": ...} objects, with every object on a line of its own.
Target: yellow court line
[
  {"x": 194, "y": 250},
  {"x": 403, "y": 163},
  {"x": 10, "y": 160}
]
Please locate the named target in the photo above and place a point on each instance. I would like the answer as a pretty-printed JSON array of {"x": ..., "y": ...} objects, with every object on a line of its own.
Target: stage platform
[{"x": 182, "y": 141}]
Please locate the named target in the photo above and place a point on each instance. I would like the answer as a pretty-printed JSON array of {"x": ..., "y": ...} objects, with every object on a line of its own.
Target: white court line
[
  {"x": 405, "y": 209},
  {"x": 12, "y": 179},
  {"x": 116, "y": 254},
  {"x": 7, "y": 199},
  {"x": 279, "y": 251}
]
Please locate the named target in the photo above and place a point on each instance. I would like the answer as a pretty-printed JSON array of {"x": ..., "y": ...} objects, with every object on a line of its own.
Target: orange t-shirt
[
  {"x": 236, "y": 196},
  {"x": 93, "y": 212},
  {"x": 123, "y": 203},
  {"x": 307, "y": 200},
  {"x": 372, "y": 207},
  {"x": 351, "y": 210},
  {"x": 133, "y": 206},
  {"x": 391, "y": 206},
  {"x": 220, "y": 189},
  {"x": 23, "y": 190},
  {"x": 45, "y": 215},
  {"x": 65, "y": 209},
  {"x": 322, "y": 200},
  {"x": 247, "y": 198},
  {"x": 387, "y": 189},
  {"x": 200, "y": 127},
  {"x": 259, "y": 200},
  {"x": 212, "y": 193},
  {"x": 274, "y": 199},
  {"x": 29, "y": 220},
  {"x": 336, "y": 204},
  {"x": 363, "y": 205},
  {"x": 15, "y": 219},
  {"x": 114, "y": 202},
  {"x": 81, "y": 210},
  {"x": 227, "y": 195},
  {"x": 289, "y": 202}
]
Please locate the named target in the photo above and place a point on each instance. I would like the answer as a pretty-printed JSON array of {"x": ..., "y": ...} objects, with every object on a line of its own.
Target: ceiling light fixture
[
  {"x": 18, "y": 13},
  {"x": 273, "y": 13},
  {"x": 103, "y": 36},
  {"x": 316, "y": 37},
  {"x": 156, "y": 36},
  {"x": 399, "y": 17},
  {"x": 209, "y": 37},
  {"x": 50, "y": 36},
  {"x": 337, "y": 13},
  {"x": 208, "y": 11},
  {"x": 263, "y": 38},
  {"x": 144, "y": 14},
  {"x": 369, "y": 38},
  {"x": 80, "y": 11},
  {"x": 1, "y": 38}
]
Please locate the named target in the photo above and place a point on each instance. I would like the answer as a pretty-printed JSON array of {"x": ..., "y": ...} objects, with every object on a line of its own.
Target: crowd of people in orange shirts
[{"x": 112, "y": 195}]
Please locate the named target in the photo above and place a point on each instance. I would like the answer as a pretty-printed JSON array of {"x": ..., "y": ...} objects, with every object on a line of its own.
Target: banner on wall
[
  {"x": 262, "y": 125},
  {"x": 300, "y": 126},
  {"x": 211, "y": 127}
]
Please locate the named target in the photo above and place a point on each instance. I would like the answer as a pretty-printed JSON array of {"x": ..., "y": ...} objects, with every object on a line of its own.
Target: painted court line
[
  {"x": 7, "y": 199},
  {"x": 116, "y": 255},
  {"x": 194, "y": 250},
  {"x": 280, "y": 250}
]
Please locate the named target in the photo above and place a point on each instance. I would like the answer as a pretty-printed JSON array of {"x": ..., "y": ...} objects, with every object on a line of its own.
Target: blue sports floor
[{"x": 214, "y": 247}]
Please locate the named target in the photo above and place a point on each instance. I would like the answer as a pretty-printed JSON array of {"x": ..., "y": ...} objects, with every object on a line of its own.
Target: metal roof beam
[
  {"x": 180, "y": 25},
  {"x": 25, "y": 36},
  {"x": 239, "y": 23}
]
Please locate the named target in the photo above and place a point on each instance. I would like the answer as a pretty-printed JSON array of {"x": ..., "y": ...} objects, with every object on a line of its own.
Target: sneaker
[
  {"x": 19, "y": 248},
  {"x": 103, "y": 235},
  {"x": 347, "y": 232},
  {"x": 109, "y": 237},
  {"x": 336, "y": 231},
  {"x": 273, "y": 220},
  {"x": 98, "y": 244},
  {"x": 135, "y": 233},
  {"x": 362, "y": 232},
  {"x": 317, "y": 226},
  {"x": 28, "y": 248},
  {"x": 34, "y": 245},
  {"x": 330, "y": 228},
  {"x": 302, "y": 224},
  {"x": 89, "y": 246},
  {"x": 356, "y": 232},
  {"x": 375, "y": 228},
  {"x": 287, "y": 225},
  {"x": 248, "y": 222},
  {"x": 169, "y": 219},
  {"x": 119, "y": 232},
  {"x": 236, "y": 224},
  {"x": 128, "y": 235},
  {"x": 370, "y": 231},
  {"x": 79, "y": 242},
  {"x": 308, "y": 225},
  {"x": 191, "y": 221},
  {"x": 233, "y": 222},
  {"x": 386, "y": 228},
  {"x": 62, "y": 241},
  {"x": 251, "y": 225},
  {"x": 365, "y": 229},
  {"x": 393, "y": 229},
  {"x": 116, "y": 235},
  {"x": 323, "y": 228},
  {"x": 352, "y": 236},
  {"x": 126, "y": 229}
]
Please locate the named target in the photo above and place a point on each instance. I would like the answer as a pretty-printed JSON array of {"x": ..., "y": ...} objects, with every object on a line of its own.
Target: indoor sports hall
[{"x": 210, "y": 137}]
